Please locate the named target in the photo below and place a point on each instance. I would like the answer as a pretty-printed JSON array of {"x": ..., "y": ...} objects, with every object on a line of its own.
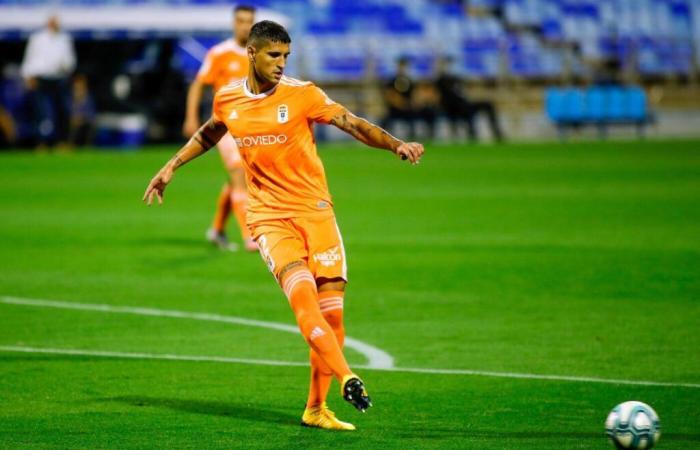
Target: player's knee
[
  {"x": 330, "y": 284},
  {"x": 334, "y": 318},
  {"x": 284, "y": 275},
  {"x": 236, "y": 175}
]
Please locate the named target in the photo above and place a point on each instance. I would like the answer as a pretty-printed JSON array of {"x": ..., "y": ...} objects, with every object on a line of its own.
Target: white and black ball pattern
[{"x": 633, "y": 425}]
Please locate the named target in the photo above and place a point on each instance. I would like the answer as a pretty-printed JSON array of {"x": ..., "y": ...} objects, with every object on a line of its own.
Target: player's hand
[
  {"x": 157, "y": 186},
  {"x": 190, "y": 127},
  {"x": 411, "y": 151}
]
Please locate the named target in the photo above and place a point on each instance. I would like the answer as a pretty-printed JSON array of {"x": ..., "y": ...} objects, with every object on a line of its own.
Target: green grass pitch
[{"x": 578, "y": 260}]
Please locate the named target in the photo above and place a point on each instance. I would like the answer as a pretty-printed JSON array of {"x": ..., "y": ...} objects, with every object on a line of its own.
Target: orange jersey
[
  {"x": 225, "y": 62},
  {"x": 274, "y": 134}
]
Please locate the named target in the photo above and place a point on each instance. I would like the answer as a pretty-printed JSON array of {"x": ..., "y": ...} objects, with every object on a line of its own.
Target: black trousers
[
  {"x": 468, "y": 111},
  {"x": 50, "y": 105},
  {"x": 411, "y": 117}
]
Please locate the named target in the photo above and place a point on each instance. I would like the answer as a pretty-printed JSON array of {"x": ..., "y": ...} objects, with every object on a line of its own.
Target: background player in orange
[
  {"x": 224, "y": 63},
  {"x": 290, "y": 210}
]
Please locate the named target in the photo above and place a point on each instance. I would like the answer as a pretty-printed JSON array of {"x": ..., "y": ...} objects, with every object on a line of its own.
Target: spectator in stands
[
  {"x": 458, "y": 108},
  {"x": 49, "y": 59},
  {"x": 408, "y": 101},
  {"x": 82, "y": 112}
]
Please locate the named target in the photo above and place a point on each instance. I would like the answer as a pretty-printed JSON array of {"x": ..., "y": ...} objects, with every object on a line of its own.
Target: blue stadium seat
[
  {"x": 554, "y": 104},
  {"x": 596, "y": 101},
  {"x": 636, "y": 103},
  {"x": 617, "y": 110},
  {"x": 481, "y": 58},
  {"x": 565, "y": 105}
]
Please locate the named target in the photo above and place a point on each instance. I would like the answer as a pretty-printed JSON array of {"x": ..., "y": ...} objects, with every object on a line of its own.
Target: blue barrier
[{"x": 597, "y": 105}]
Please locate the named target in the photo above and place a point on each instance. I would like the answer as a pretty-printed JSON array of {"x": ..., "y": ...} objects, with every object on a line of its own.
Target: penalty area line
[{"x": 267, "y": 362}]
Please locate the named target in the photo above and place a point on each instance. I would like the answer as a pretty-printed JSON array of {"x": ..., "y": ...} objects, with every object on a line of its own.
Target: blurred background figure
[
  {"x": 426, "y": 106},
  {"x": 224, "y": 63},
  {"x": 49, "y": 59},
  {"x": 398, "y": 92},
  {"x": 410, "y": 102},
  {"x": 8, "y": 130},
  {"x": 458, "y": 108},
  {"x": 528, "y": 69},
  {"x": 82, "y": 112}
]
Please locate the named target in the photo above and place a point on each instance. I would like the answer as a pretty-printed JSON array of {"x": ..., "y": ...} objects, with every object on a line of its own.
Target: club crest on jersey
[
  {"x": 329, "y": 257},
  {"x": 282, "y": 114}
]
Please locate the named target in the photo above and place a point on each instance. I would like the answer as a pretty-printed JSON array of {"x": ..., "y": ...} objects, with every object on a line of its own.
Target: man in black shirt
[
  {"x": 408, "y": 101},
  {"x": 458, "y": 107}
]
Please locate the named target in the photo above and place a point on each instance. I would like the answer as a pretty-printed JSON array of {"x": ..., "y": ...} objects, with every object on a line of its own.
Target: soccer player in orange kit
[
  {"x": 290, "y": 210},
  {"x": 225, "y": 62}
]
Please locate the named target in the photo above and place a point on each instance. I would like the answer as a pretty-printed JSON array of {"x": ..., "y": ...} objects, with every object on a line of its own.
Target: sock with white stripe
[
  {"x": 331, "y": 303},
  {"x": 300, "y": 287}
]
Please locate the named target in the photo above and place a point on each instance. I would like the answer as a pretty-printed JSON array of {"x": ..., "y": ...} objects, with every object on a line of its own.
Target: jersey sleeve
[
  {"x": 207, "y": 72},
  {"x": 321, "y": 108}
]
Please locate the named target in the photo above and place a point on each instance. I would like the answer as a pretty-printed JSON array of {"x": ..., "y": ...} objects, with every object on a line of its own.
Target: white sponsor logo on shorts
[
  {"x": 261, "y": 139},
  {"x": 233, "y": 115},
  {"x": 329, "y": 257}
]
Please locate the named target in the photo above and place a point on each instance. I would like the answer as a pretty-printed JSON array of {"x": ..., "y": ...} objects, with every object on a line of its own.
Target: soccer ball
[{"x": 633, "y": 425}]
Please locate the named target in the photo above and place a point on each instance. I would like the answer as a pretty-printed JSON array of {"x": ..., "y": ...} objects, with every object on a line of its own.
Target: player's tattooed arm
[
  {"x": 374, "y": 136},
  {"x": 203, "y": 139}
]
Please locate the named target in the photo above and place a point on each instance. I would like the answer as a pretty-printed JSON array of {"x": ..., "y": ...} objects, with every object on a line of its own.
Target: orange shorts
[
  {"x": 229, "y": 152},
  {"x": 316, "y": 241}
]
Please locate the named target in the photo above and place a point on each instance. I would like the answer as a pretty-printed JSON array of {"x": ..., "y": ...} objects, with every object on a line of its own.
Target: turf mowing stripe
[
  {"x": 376, "y": 357},
  {"x": 266, "y": 362}
]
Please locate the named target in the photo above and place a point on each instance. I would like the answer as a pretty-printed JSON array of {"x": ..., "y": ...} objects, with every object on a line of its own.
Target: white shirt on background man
[{"x": 49, "y": 54}]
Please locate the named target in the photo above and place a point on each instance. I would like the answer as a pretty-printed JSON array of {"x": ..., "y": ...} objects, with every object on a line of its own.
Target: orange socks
[
  {"x": 223, "y": 208},
  {"x": 300, "y": 288},
  {"x": 331, "y": 305},
  {"x": 239, "y": 201},
  {"x": 231, "y": 200}
]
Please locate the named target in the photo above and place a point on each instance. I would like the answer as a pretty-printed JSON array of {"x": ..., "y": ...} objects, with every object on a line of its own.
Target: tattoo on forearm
[
  {"x": 364, "y": 131},
  {"x": 205, "y": 138},
  {"x": 199, "y": 141}
]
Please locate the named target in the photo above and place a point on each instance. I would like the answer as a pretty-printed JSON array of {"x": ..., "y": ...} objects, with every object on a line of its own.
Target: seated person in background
[
  {"x": 397, "y": 95},
  {"x": 409, "y": 101},
  {"x": 458, "y": 107},
  {"x": 82, "y": 112},
  {"x": 426, "y": 103}
]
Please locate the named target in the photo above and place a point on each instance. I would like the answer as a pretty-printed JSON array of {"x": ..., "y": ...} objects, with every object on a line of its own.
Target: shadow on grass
[
  {"x": 438, "y": 433},
  {"x": 434, "y": 433},
  {"x": 211, "y": 407}
]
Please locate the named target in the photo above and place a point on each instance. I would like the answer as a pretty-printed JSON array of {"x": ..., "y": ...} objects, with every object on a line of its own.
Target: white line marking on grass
[
  {"x": 267, "y": 362},
  {"x": 128, "y": 355},
  {"x": 376, "y": 357},
  {"x": 534, "y": 376}
]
